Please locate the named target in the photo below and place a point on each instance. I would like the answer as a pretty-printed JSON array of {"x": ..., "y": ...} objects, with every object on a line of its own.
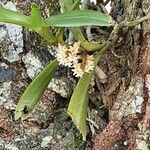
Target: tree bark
[{"x": 131, "y": 104}]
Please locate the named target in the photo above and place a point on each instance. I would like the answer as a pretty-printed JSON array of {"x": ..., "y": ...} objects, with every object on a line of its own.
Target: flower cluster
[{"x": 70, "y": 56}]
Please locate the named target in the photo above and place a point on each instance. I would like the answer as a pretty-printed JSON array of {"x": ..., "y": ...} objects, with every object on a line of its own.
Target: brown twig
[{"x": 112, "y": 133}]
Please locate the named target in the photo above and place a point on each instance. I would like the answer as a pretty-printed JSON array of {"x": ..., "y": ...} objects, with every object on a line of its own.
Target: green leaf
[
  {"x": 66, "y": 4},
  {"x": 79, "y": 18},
  {"x": 79, "y": 102},
  {"x": 34, "y": 91},
  {"x": 9, "y": 16},
  {"x": 38, "y": 25},
  {"x": 36, "y": 16},
  {"x": 35, "y": 23},
  {"x": 46, "y": 34}
]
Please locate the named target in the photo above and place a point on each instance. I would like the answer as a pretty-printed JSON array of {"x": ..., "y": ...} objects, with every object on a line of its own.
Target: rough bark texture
[
  {"x": 119, "y": 102},
  {"x": 22, "y": 56},
  {"x": 132, "y": 99}
]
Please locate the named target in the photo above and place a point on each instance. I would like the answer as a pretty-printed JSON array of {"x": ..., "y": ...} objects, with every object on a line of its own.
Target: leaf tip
[
  {"x": 81, "y": 128},
  {"x": 18, "y": 115},
  {"x": 84, "y": 136},
  {"x": 21, "y": 112},
  {"x": 112, "y": 21},
  {"x": 34, "y": 5}
]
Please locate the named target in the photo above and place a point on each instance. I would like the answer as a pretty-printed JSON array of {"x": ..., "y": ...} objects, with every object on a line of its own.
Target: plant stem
[
  {"x": 114, "y": 35},
  {"x": 138, "y": 21},
  {"x": 75, "y": 5},
  {"x": 118, "y": 27},
  {"x": 77, "y": 33},
  {"x": 46, "y": 34},
  {"x": 88, "y": 46},
  {"x": 59, "y": 36}
]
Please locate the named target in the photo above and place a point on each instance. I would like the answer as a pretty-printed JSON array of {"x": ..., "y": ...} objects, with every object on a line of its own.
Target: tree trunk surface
[
  {"x": 129, "y": 97},
  {"x": 119, "y": 104}
]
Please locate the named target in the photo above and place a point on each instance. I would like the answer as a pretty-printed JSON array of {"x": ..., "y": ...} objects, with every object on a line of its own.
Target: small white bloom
[
  {"x": 75, "y": 48},
  {"x": 86, "y": 65},
  {"x": 67, "y": 56},
  {"x": 89, "y": 63},
  {"x": 77, "y": 70}
]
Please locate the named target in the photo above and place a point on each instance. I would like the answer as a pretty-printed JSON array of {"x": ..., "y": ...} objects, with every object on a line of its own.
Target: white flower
[
  {"x": 77, "y": 70},
  {"x": 87, "y": 64},
  {"x": 67, "y": 56}
]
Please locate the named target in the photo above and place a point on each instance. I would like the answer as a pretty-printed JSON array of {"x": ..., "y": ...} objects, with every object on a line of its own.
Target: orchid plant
[{"x": 75, "y": 55}]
